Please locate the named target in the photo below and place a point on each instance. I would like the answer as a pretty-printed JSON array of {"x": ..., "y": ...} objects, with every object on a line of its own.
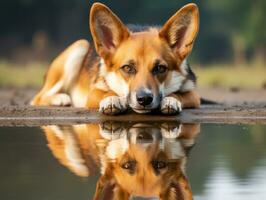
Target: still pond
[{"x": 135, "y": 160}]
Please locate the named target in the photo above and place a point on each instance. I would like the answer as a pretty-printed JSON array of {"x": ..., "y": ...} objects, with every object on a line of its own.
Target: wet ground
[{"x": 207, "y": 161}]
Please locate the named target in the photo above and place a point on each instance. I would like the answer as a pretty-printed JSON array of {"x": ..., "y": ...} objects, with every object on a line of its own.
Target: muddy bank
[
  {"x": 35, "y": 116},
  {"x": 233, "y": 96},
  {"x": 236, "y": 107}
]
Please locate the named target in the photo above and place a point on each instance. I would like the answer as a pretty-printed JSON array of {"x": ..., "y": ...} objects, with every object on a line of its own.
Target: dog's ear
[
  {"x": 107, "y": 188},
  {"x": 181, "y": 29},
  {"x": 107, "y": 30},
  {"x": 179, "y": 189}
]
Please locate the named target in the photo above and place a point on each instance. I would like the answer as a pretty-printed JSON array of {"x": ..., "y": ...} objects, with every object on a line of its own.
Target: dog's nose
[{"x": 144, "y": 99}]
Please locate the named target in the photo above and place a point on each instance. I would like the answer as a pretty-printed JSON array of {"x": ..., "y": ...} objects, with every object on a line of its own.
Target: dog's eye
[
  {"x": 158, "y": 164},
  {"x": 129, "y": 165},
  {"x": 159, "y": 69},
  {"x": 129, "y": 69}
]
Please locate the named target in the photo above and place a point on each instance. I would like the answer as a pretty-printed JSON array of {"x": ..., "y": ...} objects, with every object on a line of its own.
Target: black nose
[
  {"x": 144, "y": 99},
  {"x": 144, "y": 137}
]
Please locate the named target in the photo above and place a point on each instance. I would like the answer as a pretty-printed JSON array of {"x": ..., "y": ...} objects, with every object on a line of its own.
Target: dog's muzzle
[{"x": 144, "y": 101}]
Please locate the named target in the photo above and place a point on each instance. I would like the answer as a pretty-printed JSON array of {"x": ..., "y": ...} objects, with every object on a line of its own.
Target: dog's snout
[{"x": 144, "y": 98}]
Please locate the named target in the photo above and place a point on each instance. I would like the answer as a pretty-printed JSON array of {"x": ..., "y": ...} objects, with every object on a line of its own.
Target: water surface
[{"x": 140, "y": 159}]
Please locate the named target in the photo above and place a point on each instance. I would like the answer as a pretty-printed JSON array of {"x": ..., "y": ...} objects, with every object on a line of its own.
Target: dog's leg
[
  {"x": 174, "y": 103},
  {"x": 61, "y": 76},
  {"x": 52, "y": 96},
  {"x": 64, "y": 145}
]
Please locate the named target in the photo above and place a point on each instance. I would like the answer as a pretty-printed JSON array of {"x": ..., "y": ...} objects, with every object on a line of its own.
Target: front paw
[
  {"x": 170, "y": 131},
  {"x": 112, "y": 130},
  {"x": 113, "y": 105},
  {"x": 170, "y": 106}
]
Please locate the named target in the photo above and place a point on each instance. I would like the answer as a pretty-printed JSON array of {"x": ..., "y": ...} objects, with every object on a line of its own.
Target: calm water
[{"x": 66, "y": 162}]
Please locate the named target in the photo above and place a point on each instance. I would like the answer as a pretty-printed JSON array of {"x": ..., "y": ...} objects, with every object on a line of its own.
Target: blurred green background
[{"x": 229, "y": 51}]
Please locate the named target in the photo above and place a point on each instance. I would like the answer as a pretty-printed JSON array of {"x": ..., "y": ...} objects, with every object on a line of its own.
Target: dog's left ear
[
  {"x": 181, "y": 29},
  {"x": 107, "y": 187},
  {"x": 107, "y": 30}
]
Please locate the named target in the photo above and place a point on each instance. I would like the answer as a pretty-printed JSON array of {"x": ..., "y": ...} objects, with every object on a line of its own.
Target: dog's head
[
  {"x": 147, "y": 161},
  {"x": 148, "y": 64}
]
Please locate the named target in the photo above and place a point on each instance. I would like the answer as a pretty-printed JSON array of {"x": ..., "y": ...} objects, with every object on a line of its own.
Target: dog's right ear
[
  {"x": 178, "y": 189},
  {"x": 181, "y": 30},
  {"x": 107, "y": 30}
]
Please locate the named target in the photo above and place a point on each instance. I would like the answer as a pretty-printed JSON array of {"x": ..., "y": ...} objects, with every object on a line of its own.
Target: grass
[
  {"x": 28, "y": 75},
  {"x": 250, "y": 77},
  {"x": 228, "y": 76}
]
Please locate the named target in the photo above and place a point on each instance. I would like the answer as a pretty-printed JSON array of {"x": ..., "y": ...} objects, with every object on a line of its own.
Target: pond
[{"x": 115, "y": 160}]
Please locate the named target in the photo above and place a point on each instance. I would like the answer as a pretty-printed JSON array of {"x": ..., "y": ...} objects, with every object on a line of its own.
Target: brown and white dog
[
  {"x": 144, "y": 69},
  {"x": 141, "y": 159}
]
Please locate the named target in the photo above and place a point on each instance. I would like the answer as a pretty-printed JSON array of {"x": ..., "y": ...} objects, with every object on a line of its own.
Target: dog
[
  {"x": 142, "y": 68},
  {"x": 134, "y": 160}
]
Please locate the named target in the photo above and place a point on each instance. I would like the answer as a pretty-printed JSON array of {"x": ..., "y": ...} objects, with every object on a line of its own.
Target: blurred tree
[
  {"x": 255, "y": 30},
  {"x": 242, "y": 24},
  {"x": 229, "y": 30}
]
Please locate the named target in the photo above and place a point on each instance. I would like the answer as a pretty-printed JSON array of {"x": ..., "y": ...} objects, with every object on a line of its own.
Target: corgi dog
[
  {"x": 141, "y": 68},
  {"x": 134, "y": 160}
]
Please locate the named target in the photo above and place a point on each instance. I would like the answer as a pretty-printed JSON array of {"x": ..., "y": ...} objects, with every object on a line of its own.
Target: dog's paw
[
  {"x": 170, "y": 106},
  {"x": 112, "y": 130},
  {"x": 170, "y": 131},
  {"x": 61, "y": 99},
  {"x": 113, "y": 105}
]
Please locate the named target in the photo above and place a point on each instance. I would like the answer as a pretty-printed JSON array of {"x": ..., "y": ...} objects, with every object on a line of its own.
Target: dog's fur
[
  {"x": 134, "y": 160},
  {"x": 140, "y": 68}
]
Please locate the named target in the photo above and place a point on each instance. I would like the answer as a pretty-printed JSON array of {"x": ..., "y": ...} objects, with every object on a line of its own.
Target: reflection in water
[{"x": 135, "y": 160}]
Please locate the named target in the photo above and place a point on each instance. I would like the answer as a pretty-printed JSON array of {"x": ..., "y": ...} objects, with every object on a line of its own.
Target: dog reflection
[{"x": 135, "y": 160}]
